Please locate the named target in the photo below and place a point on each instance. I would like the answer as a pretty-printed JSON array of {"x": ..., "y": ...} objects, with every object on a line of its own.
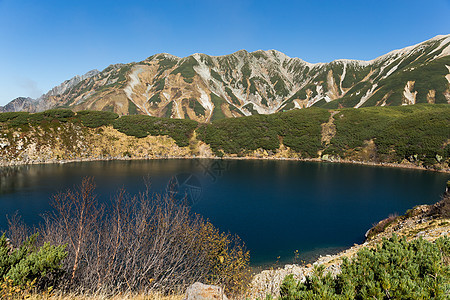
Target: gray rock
[
  {"x": 200, "y": 291},
  {"x": 9, "y": 245}
]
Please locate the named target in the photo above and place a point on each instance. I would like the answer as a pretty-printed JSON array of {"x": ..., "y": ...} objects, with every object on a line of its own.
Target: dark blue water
[{"x": 276, "y": 207}]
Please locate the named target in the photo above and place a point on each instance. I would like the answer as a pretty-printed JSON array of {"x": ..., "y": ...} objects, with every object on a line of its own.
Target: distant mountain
[
  {"x": 19, "y": 104},
  {"x": 45, "y": 101},
  {"x": 205, "y": 88}
]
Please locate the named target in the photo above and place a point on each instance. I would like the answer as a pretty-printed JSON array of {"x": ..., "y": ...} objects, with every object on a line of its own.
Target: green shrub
[
  {"x": 141, "y": 126},
  {"x": 21, "y": 119},
  {"x": 15, "y": 119},
  {"x": 159, "y": 85},
  {"x": 155, "y": 99},
  {"x": 166, "y": 63},
  {"x": 216, "y": 76},
  {"x": 299, "y": 129},
  {"x": 217, "y": 111},
  {"x": 399, "y": 133},
  {"x": 135, "y": 125},
  {"x": 94, "y": 119},
  {"x": 196, "y": 106},
  {"x": 239, "y": 135},
  {"x": 8, "y": 116},
  {"x": 397, "y": 269},
  {"x": 61, "y": 115},
  {"x": 132, "y": 108},
  {"x": 29, "y": 263},
  {"x": 234, "y": 99}
]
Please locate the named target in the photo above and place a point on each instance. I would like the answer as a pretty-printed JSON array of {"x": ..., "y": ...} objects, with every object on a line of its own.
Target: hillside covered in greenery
[{"x": 417, "y": 134}]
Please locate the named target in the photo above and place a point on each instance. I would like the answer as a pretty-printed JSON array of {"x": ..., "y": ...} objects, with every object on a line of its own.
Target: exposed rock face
[
  {"x": 200, "y": 291},
  {"x": 19, "y": 104},
  {"x": 70, "y": 142},
  {"x": 205, "y": 88},
  {"x": 47, "y": 101}
]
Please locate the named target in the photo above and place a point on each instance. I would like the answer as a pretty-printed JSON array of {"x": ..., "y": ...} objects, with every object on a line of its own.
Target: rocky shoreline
[
  {"x": 4, "y": 163},
  {"x": 72, "y": 143},
  {"x": 419, "y": 222}
]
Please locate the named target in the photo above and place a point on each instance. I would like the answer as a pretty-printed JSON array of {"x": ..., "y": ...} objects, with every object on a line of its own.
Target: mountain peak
[
  {"x": 19, "y": 104},
  {"x": 205, "y": 88}
]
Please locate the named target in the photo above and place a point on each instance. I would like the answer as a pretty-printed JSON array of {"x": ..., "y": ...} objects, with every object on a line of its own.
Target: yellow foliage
[
  {"x": 8, "y": 290},
  {"x": 229, "y": 260}
]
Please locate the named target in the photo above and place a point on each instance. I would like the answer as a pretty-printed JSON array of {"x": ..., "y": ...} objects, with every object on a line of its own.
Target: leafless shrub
[
  {"x": 17, "y": 231},
  {"x": 442, "y": 208},
  {"x": 141, "y": 243},
  {"x": 381, "y": 226}
]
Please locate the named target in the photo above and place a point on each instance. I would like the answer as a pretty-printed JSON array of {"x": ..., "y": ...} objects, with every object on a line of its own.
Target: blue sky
[{"x": 43, "y": 43}]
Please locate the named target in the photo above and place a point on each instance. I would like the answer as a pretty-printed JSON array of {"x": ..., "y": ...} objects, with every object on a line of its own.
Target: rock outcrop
[{"x": 200, "y": 291}]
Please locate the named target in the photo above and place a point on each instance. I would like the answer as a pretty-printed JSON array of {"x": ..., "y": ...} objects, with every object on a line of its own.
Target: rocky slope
[
  {"x": 20, "y": 104},
  {"x": 205, "y": 88},
  {"x": 414, "y": 136},
  {"x": 71, "y": 142}
]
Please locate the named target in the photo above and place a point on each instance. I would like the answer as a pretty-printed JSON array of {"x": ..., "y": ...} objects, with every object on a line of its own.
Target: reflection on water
[
  {"x": 276, "y": 207},
  {"x": 12, "y": 178}
]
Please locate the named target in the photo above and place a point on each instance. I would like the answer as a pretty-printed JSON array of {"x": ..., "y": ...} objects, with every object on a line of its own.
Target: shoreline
[
  {"x": 418, "y": 224},
  {"x": 340, "y": 161}
]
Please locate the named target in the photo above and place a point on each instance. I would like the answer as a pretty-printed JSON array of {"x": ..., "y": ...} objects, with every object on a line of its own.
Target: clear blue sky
[{"x": 43, "y": 43}]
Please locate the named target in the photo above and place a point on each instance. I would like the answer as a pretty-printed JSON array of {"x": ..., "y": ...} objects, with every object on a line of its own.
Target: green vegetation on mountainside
[
  {"x": 186, "y": 68},
  {"x": 141, "y": 126},
  {"x": 299, "y": 129},
  {"x": 94, "y": 119},
  {"x": 134, "y": 125},
  {"x": 419, "y": 133},
  {"x": 430, "y": 76}
]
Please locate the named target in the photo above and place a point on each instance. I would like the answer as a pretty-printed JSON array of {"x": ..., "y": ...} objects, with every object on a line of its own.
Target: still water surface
[{"x": 276, "y": 207}]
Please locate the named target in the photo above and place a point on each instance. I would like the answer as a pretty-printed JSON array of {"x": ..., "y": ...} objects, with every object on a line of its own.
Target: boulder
[{"x": 200, "y": 291}]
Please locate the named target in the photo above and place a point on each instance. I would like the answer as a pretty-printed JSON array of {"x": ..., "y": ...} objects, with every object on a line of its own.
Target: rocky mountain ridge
[
  {"x": 44, "y": 102},
  {"x": 205, "y": 88}
]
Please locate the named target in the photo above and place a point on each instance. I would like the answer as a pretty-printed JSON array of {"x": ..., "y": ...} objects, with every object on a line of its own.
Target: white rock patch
[
  {"x": 448, "y": 75},
  {"x": 4, "y": 143},
  {"x": 205, "y": 101},
  {"x": 409, "y": 95},
  {"x": 134, "y": 80},
  {"x": 318, "y": 97},
  {"x": 203, "y": 71},
  {"x": 366, "y": 96},
  {"x": 343, "y": 77}
]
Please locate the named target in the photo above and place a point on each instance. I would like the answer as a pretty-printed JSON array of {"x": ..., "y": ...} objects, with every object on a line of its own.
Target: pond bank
[
  {"x": 419, "y": 222},
  {"x": 4, "y": 163}
]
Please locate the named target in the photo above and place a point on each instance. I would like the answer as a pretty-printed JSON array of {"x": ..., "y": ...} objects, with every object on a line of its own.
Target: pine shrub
[
  {"x": 397, "y": 269},
  {"x": 28, "y": 264},
  {"x": 94, "y": 119}
]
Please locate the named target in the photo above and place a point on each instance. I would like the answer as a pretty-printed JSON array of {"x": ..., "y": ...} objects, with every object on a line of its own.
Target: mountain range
[{"x": 204, "y": 88}]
